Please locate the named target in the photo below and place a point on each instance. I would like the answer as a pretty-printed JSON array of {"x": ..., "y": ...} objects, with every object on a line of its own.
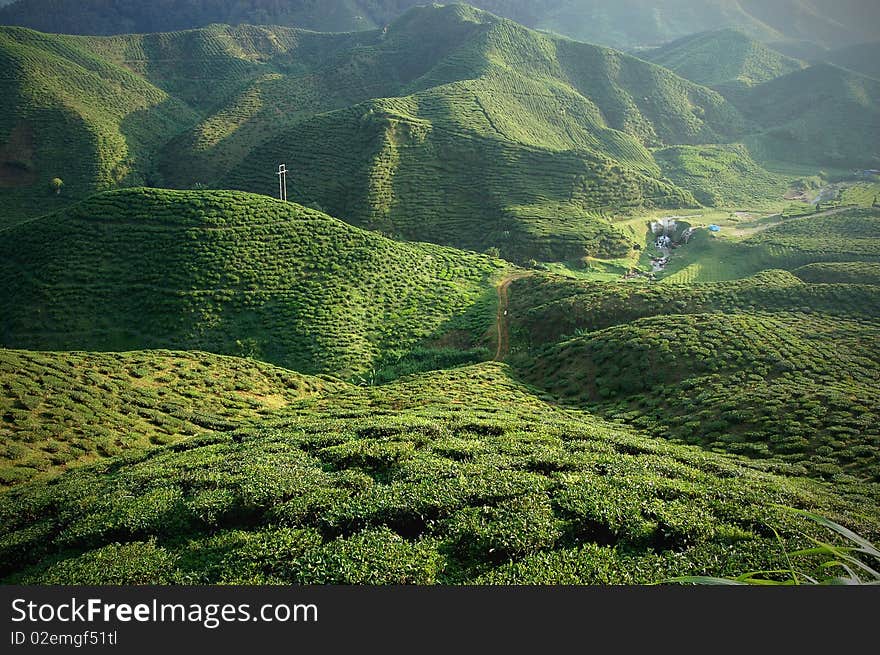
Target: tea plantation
[
  {"x": 64, "y": 409},
  {"x": 440, "y": 494},
  {"x": 799, "y": 387},
  {"x": 726, "y": 59},
  {"x": 451, "y": 126},
  {"x": 459, "y": 355},
  {"x": 236, "y": 274}
]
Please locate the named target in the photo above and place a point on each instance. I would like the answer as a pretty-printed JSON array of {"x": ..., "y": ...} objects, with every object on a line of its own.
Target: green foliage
[
  {"x": 546, "y": 308},
  {"x": 624, "y": 24},
  {"x": 854, "y": 561},
  {"x": 230, "y": 273},
  {"x": 402, "y": 485},
  {"x": 822, "y": 114},
  {"x": 862, "y": 58},
  {"x": 65, "y": 109},
  {"x": 801, "y": 388},
  {"x": 59, "y": 410},
  {"x": 721, "y": 176},
  {"x": 768, "y": 367},
  {"x": 841, "y": 273},
  {"x": 713, "y": 404},
  {"x": 453, "y": 126},
  {"x": 723, "y": 58}
]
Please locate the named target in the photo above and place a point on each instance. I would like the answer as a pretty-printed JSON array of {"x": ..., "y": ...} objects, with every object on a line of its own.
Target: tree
[{"x": 56, "y": 185}]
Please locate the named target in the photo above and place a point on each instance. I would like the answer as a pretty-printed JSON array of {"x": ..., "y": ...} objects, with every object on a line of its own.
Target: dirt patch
[
  {"x": 17, "y": 158},
  {"x": 796, "y": 195},
  {"x": 502, "y": 322}
]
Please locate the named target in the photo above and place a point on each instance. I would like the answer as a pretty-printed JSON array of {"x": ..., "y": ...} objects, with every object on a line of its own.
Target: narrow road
[
  {"x": 502, "y": 322},
  {"x": 777, "y": 219}
]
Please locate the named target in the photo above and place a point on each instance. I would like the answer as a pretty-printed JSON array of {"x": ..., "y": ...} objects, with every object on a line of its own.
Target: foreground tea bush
[
  {"x": 381, "y": 487},
  {"x": 58, "y": 410},
  {"x": 797, "y": 387}
]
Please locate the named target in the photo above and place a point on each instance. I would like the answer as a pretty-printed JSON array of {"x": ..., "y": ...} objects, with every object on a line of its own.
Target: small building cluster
[{"x": 663, "y": 242}]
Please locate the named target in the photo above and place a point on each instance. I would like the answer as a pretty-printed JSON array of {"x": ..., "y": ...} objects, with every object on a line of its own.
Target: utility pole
[{"x": 282, "y": 182}]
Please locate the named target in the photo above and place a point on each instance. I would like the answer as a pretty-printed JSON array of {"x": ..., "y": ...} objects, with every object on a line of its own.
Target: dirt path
[
  {"x": 773, "y": 221},
  {"x": 502, "y": 322}
]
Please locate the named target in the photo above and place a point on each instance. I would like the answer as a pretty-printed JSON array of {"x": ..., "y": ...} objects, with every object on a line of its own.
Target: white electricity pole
[{"x": 282, "y": 182}]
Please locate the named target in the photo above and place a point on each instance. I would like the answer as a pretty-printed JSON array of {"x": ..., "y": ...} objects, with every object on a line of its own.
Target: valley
[{"x": 535, "y": 310}]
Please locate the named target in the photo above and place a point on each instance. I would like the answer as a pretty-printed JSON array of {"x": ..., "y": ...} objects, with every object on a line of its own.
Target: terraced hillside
[
  {"x": 440, "y": 494},
  {"x": 496, "y": 98},
  {"x": 232, "y": 273},
  {"x": 545, "y": 134},
  {"x": 780, "y": 365},
  {"x": 841, "y": 273},
  {"x": 67, "y": 113},
  {"x": 722, "y": 176},
  {"x": 450, "y": 125},
  {"x": 726, "y": 59},
  {"x": 59, "y": 410},
  {"x": 203, "y": 386},
  {"x": 547, "y": 308},
  {"x": 800, "y": 387}
]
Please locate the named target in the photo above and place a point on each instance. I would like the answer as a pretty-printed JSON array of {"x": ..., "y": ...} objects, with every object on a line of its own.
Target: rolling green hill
[
  {"x": 60, "y": 410},
  {"x": 822, "y": 113},
  {"x": 841, "y": 273},
  {"x": 725, "y": 59},
  {"x": 369, "y": 122},
  {"x": 621, "y": 24},
  {"x": 232, "y": 273},
  {"x": 546, "y": 308},
  {"x": 451, "y": 126},
  {"x": 801, "y": 387},
  {"x": 516, "y": 492},
  {"x": 721, "y": 176},
  {"x": 863, "y": 58},
  {"x": 201, "y": 385},
  {"x": 544, "y": 134},
  {"x": 66, "y": 113}
]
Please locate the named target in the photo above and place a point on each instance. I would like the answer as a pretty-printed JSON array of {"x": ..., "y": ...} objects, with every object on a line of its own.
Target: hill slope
[
  {"x": 822, "y": 113},
  {"x": 452, "y": 126},
  {"x": 67, "y": 113},
  {"x": 230, "y": 273},
  {"x": 795, "y": 386},
  {"x": 376, "y": 119},
  {"x": 518, "y": 492},
  {"x": 724, "y": 58},
  {"x": 60, "y": 410},
  {"x": 621, "y": 24},
  {"x": 527, "y": 134},
  {"x": 863, "y": 58}
]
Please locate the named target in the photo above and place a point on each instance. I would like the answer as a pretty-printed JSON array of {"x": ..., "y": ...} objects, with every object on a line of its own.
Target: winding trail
[{"x": 502, "y": 322}]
